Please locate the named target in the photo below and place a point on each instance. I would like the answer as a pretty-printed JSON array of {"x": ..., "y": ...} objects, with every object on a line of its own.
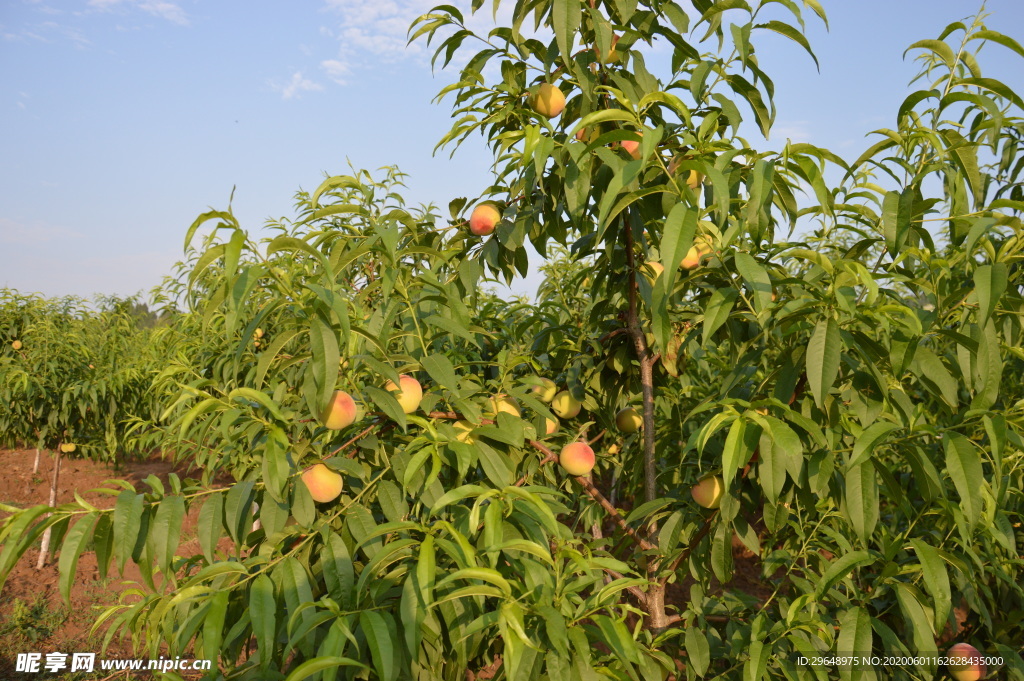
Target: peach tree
[{"x": 823, "y": 357}]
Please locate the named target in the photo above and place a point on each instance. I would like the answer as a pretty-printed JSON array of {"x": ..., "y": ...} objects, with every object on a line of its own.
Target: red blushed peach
[
  {"x": 966, "y": 662},
  {"x": 409, "y": 395},
  {"x": 577, "y": 458},
  {"x": 484, "y": 219},
  {"x": 341, "y": 412},
  {"x": 708, "y": 491},
  {"x": 632, "y": 147},
  {"x": 323, "y": 484}
]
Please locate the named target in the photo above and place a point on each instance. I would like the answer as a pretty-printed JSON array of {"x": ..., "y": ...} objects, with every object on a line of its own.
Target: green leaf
[
  {"x": 323, "y": 344},
  {"x": 565, "y": 20},
  {"x": 213, "y": 623},
  {"x": 936, "y": 580},
  {"x": 989, "y": 286},
  {"x": 928, "y": 366},
  {"x": 339, "y": 572},
  {"x": 793, "y": 34},
  {"x": 862, "y": 499},
  {"x": 127, "y": 522},
  {"x": 441, "y": 370},
  {"x": 854, "y": 639},
  {"x": 167, "y": 529},
  {"x": 717, "y": 311},
  {"x": 868, "y": 440},
  {"x": 823, "y": 355},
  {"x": 263, "y": 612},
  {"x": 378, "y": 639},
  {"x": 697, "y": 649},
  {"x": 839, "y": 569},
  {"x": 210, "y": 525},
  {"x": 74, "y": 543},
  {"x": 238, "y": 510},
  {"x": 387, "y": 404},
  {"x": 318, "y": 664},
  {"x": 963, "y": 465}
]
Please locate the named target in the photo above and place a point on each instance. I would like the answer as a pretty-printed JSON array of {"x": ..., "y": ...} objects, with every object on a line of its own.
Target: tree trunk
[
  {"x": 35, "y": 466},
  {"x": 45, "y": 549}
]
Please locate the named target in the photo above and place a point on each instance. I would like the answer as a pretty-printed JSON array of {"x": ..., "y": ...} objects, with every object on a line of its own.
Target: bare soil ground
[{"x": 33, "y": 615}]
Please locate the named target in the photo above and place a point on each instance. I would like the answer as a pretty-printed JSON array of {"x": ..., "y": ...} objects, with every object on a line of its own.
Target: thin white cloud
[
  {"x": 335, "y": 70},
  {"x": 21, "y": 234},
  {"x": 164, "y": 9},
  {"x": 297, "y": 85},
  {"x": 378, "y": 32}
]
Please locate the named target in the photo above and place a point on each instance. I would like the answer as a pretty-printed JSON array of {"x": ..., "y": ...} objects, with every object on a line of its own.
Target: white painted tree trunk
[
  {"x": 45, "y": 549},
  {"x": 35, "y": 466}
]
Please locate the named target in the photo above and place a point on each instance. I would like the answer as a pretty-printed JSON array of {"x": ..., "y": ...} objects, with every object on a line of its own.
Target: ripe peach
[
  {"x": 628, "y": 420},
  {"x": 323, "y": 483},
  {"x": 700, "y": 249},
  {"x": 565, "y": 405},
  {"x": 694, "y": 180},
  {"x": 464, "y": 429},
  {"x": 258, "y": 333},
  {"x": 547, "y": 100},
  {"x": 16, "y": 345},
  {"x": 68, "y": 448},
  {"x": 577, "y": 458},
  {"x": 708, "y": 491},
  {"x": 503, "y": 403},
  {"x": 484, "y": 219},
  {"x": 409, "y": 395},
  {"x": 612, "y": 55},
  {"x": 546, "y": 391},
  {"x": 632, "y": 148},
  {"x": 968, "y": 665},
  {"x": 341, "y": 412},
  {"x": 550, "y": 426},
  {"x": 651, "y": 270}
]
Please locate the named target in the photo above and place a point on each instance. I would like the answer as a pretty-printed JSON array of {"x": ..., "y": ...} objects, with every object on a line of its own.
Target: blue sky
[{"x": 121, "y": 120}]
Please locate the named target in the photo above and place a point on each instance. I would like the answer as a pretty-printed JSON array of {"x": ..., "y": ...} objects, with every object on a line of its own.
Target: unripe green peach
[
  {"x": 547, "y": 100},
  {"x": 545, "y": 392},
  {"x": 341, "y": 412},
  {"x": 628, "y": 420},
  {"x": 967, "y": 662},
  {"x": 708, "y": 491},
  {"x": 565, "y": 405},
  {"x": 409, "y": 395},
  {"x": 323, "y": 484},
  {"x": 577, "y": 458},
  {"x": 484, "y": 219}
]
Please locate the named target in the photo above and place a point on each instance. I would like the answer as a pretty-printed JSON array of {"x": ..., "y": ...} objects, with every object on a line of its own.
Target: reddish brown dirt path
[{"x": 54, "y": 625}]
